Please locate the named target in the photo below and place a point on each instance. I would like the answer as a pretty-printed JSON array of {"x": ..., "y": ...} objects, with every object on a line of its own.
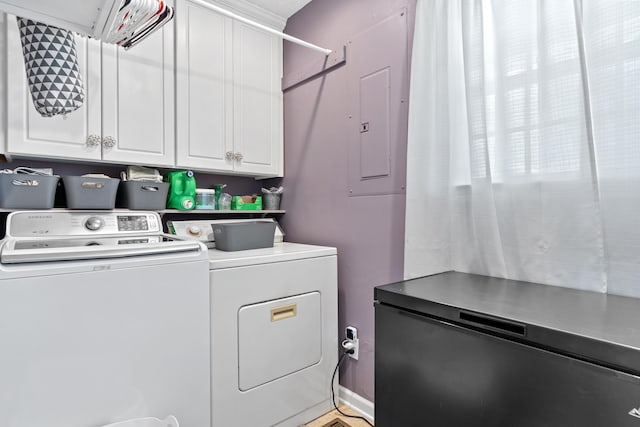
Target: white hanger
[{"x": 137, "y": 17}]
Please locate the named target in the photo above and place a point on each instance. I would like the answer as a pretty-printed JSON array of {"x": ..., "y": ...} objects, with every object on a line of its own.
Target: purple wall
[{"x": 368, "y": 230}]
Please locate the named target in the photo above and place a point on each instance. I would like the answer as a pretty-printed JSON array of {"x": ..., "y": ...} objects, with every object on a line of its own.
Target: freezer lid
[{"x": 598, "y": 327}]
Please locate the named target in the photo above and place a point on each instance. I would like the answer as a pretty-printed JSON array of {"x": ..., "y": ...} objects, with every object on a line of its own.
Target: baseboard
[{"x": 356, "y": 402}]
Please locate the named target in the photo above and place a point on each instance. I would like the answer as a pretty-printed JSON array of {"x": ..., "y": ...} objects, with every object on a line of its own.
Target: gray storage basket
[
  {"x": 244, "y": 235},
  {"x": 85, "y": 192},
  {"x": 143, "y": 195},
  {"x": 24, "y": 191}
]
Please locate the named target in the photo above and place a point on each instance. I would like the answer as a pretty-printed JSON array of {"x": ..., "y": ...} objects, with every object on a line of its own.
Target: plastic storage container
[
  {"x": 85, "y": 192},
  {"x": 205, "y": 198},
  {"x": 25, "y": 191},
  {"x": 271, "y": 201},
  {"x": 244, "y": 235},
  {"x": 246, "y": 203},
  {"x": 146, "y": 195},
  {"x": 182, "y": 193},
  {"x": 271, "y": 198}
]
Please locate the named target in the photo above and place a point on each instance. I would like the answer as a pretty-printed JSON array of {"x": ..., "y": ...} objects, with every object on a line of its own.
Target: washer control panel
[
  {"x": 133, "y": 223},
  {"x": 81, "y": 223}
]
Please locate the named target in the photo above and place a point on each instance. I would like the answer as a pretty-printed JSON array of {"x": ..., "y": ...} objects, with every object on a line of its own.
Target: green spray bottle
[{"x": 182, "y": 193}]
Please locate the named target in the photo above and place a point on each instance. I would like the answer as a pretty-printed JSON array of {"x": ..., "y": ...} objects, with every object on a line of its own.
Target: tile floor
[{"x": 353, "y": 422}]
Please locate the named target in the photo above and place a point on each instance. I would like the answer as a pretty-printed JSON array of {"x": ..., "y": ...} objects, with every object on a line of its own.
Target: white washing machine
[
  {"x": 274, "y": 331},
  {"x": 103, "y": 318}
]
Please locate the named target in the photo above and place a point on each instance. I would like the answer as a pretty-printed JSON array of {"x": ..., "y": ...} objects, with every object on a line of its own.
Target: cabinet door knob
[
  {"x": 229, "y": 155},
  {"x": 93, "y": 141},
  {"x": 237, "y": 157},
  {"x": 108, "y": 142}
]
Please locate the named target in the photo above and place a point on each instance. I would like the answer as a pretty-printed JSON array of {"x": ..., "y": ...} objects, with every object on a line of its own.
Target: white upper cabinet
[
  {"x": 138, "y": 101},
  {"x": 203, "y": 93},
  {"x": 28, "y": 133},
  {"x": 128, "y": 112},
  {"x": 204, "y": 87},
  {"x": 257, "y": 96},
  {"x": 229, "y": 97}
]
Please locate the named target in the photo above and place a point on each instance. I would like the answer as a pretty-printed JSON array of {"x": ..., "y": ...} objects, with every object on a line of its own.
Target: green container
[
  {"x": 182, "y": 191},
  {"x": 246, "y": 203}
]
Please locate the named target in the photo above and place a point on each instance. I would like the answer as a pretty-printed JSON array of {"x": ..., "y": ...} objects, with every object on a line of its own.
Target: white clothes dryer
[{"x": 274, "y": 332}]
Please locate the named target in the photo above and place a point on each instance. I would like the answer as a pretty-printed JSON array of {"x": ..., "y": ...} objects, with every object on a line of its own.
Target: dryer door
[{"x": 277, "y": 338}]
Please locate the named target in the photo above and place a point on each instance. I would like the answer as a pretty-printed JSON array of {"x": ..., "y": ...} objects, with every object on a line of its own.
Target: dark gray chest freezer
[{"x": 458, "y": 349}]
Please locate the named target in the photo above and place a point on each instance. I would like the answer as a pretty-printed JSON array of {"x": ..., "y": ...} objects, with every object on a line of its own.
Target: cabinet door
[
  {"x": 257, "y": 71},
  {"x": 63, "y": 137},
  {"x": 204, "y": 88},
  {"x": 138, "y": 101}
]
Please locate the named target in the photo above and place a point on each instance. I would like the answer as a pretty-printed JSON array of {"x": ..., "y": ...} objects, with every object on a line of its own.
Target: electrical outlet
[
  {"x": 356, "y": 345},
  {"x": 352, "y": 336}
]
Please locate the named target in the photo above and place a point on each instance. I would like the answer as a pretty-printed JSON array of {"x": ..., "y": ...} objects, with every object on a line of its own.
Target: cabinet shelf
[
  {"x": 169, "y": 211},
  {"x": 223, "y": 211}
]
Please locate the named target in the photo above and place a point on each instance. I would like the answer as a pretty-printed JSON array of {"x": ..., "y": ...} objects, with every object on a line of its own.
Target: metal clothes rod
[{"x": 260, "y": 26}]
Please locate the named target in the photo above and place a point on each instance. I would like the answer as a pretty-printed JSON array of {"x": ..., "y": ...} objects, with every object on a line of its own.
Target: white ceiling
[{"x": 283, "y": 8}]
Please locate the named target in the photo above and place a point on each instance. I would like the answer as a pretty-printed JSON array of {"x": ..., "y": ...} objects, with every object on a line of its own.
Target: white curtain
[{"x": 524, "y": 142}]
